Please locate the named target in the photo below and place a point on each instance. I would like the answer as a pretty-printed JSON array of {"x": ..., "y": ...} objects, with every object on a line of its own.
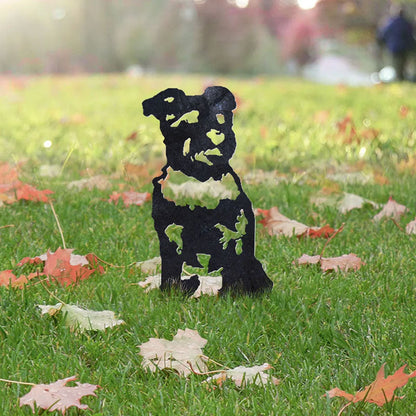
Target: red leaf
[
  {"x": 29, "y": 193},
  {"x": 131, "y": 136},
  {"x": 404, "y": 111},
  {"x": 30, "y": 260},
  {"x": 7, "y": 277},
  {"x": 62, "y": 267},
  {"x": 12, "y": 189},
  {"x": 325, "y": 232},
  {"x": 58, "y": 265}
]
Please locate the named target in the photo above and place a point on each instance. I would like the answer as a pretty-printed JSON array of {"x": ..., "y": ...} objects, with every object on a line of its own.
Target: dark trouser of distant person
[{"x": 399, "y": 63}]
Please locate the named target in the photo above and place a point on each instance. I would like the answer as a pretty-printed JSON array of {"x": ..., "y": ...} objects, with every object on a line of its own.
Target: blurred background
[{"x": 323, "y": 40}]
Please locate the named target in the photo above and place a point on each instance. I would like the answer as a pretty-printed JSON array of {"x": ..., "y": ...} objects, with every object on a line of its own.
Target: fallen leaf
[
  {"x": 258, "y": 176},
  {"x": 7, "y": 277},
  {"x": 82, "y": 319},
  {"x": 325, "y": 232},
  {"x": 74, "y": 259},
  {"x": 57, "y": 396},
  {"x": 132, "y": 136},
  {"x": 342, "y": 263},
  {"x": 346, "y": 128},
  {"x": 58, "y": 266},
  {"x": 143, "y": 172},
  {"x": 243, "y": 376},
  {"x": 407, "y": 165},
  {"x": 150, "y": 266},
  {"x": 369, "y": 134},
  {"x": 61, "y": 266},
  {"x": 277, "y": 224},
  {"x": 99, "y": 181},
  {"x": 29, "y": 193},
  {"x": 352, "y": 201},
  {"x": 130, "y": 198},
  {"x": 50, "y": 171},
  {"x": 403, "y": 111},
  {"x": 351, "y": 177},
  {"x": 182, "y": 354},
  {"x": 380, "y": 391},
  {"x": 209, "y": 285},
  {"x": 151, "y": 282},
  {"x": 411, "y": 227},
  {"x": 391, "y": 209},
  {"x": 12, "y": 189},
  {"x": 329, "y": 197}
]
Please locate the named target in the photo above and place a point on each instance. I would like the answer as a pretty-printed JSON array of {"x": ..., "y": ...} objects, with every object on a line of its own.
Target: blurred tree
[
  {"x": 99, "y": 31},
  {"x": 239, "y": 36}
]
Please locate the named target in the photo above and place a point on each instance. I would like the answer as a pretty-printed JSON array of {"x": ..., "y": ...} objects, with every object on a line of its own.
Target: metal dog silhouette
[{"x": 199, "y": 143}]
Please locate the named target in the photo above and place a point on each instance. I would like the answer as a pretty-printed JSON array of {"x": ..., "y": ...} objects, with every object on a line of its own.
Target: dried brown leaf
[
  {"x": 411, "y": 227},
  {"x": 243, "y": 376},
  {"x": 342, "y": 263},
  {"x": 391, "y": 209},
  {"x": 182, "y": 354}
]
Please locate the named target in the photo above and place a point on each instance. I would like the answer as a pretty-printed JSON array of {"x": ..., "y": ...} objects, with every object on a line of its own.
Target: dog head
[{"x": 197, "y": 130}]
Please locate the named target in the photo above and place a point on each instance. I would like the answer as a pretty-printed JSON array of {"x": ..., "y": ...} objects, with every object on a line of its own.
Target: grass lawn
[{"x": 318, "y": 331}]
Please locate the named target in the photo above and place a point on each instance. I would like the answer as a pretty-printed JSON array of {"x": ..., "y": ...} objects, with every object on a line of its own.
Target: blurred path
[{"x": 335, "y": 69}]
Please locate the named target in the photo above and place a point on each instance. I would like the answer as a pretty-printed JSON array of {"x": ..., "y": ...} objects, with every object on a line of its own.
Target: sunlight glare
[
  {"x": 307, "y": 4},
  {"x": 242, "y": 4}
]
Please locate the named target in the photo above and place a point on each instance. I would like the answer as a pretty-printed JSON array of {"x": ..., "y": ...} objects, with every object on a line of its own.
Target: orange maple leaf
[
  {"x": 12, "y": 189},
  {"x": 61, "y": 266},
  {"x": 7, "y": 277},
  {"x": 325, "y": 232},
  {"x": 58, "y": 266},
  {"x": 29, "y": 193},
  {"x": 380, "y": 391}
]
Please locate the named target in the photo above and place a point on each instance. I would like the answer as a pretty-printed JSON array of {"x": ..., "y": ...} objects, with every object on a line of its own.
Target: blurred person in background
[{"x": 398, "y": 37}]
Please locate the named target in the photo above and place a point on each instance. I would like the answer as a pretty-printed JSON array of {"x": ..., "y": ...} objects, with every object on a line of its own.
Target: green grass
[{"x": 317, "y": 330}]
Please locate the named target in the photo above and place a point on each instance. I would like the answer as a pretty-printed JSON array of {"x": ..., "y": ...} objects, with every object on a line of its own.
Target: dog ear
[
  {"x": 220, "y": 98},
  {"x": 164, "y": 103}
]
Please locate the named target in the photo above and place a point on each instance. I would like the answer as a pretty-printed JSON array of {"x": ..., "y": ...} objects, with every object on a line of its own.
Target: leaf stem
[
  {"x": 58, "y": 224},
  {"x": 343, "y": 408},
  {"x": 17, "y": 382},
  {"x": 7, "y": 226},
  {"x": 397, "y": 224},
  {"x": 331, "y": 238},
  {"x": 215, "y": 362},
  {"x": 114, "y": 265},
  {"x": 54, "y": 296},
  {"x": 198, "y": 373}
]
